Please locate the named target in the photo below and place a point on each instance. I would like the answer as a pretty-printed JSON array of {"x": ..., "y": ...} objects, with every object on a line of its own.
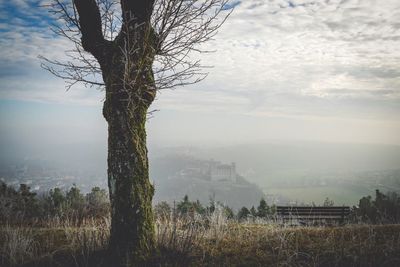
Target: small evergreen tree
[
  {"x": 75, "y": 198},
  {"x": 184, "y": 206},
  {"x": 384, "y": 209},
  {"x": 243, "y": 213},
  {"x": 198, "y": 207},
  {"x": 253, "y": 212},
  {"x": 8, "y": 202},
  {"x": 366, "y": 210},
  {"x": 97, "y": 202},
  {"x": 228, "y": 212},
  {"x": 56, "y": 201},
  {"x": 272, "y": 210},
  {"x": 28, "y": 204},
  {"x": 263, "y": 209},
  {"x": 211, "y": 207},
  {"x": 75, "y": 204}
]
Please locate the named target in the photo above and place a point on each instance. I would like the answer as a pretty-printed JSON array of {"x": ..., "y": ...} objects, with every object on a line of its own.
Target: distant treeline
[
  {"x": 24, "y": 206},
  {"x": 185, "y": 207}
]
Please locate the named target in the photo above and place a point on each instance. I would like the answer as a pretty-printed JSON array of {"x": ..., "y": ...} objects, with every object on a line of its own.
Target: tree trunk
[{"x": 132, "y": 239}]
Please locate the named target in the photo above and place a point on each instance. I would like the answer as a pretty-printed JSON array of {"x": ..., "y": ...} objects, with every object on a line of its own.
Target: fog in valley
[{"x": 285, "y": 171}]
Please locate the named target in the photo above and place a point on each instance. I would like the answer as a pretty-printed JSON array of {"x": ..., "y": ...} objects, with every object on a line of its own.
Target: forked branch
[
  {"x": 179, "y": 28},
  {"x": 90, "y": 26}
]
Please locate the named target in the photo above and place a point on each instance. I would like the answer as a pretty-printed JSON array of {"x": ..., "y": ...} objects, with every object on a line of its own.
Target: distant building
[
  {"x": 223, "y": 172},
  {"x": 211, "y": 170}
]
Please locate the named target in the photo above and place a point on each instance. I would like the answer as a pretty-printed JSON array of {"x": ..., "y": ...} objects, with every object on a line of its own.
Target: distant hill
[
  {"x": 178, "y": 175},
  {"x": 341, "y": 171},
  {"x": 266, "y": 162},
  {"x": 307, "y": 171}
]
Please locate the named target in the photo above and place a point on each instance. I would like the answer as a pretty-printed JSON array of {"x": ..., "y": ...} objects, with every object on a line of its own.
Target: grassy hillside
[{"x": 216, "y": 243}]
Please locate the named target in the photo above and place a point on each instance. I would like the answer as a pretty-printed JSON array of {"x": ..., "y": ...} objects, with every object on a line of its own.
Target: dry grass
[
  {"x": 220, "y": 242},
  {"x": 20, "y": 244},
  {"x": 214, "y": 241},
  {"x": 261, "y": 245},
  {"x": 17, "y": 245}
]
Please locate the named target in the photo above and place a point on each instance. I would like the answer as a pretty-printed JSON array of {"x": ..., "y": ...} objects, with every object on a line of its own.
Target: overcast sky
[{"x": 323, "y": 70}]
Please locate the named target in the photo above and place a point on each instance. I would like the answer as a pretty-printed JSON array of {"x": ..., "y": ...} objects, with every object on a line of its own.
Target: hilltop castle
[
  {"x": 223, "y": 172},
  {"x": 210, "y": 170}
]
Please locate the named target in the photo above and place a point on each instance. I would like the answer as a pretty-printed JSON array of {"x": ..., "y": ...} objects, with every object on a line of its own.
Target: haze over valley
[{"x": 282, "y": 172}]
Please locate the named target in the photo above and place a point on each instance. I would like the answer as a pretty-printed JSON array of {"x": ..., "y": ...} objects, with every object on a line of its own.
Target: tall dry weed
[{"x": 18, "y": 245}]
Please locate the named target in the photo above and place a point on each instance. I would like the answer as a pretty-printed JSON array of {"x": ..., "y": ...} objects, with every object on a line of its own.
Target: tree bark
[
  {"x": 126, "y": 65},
  {"x": 132, "y": 239}
]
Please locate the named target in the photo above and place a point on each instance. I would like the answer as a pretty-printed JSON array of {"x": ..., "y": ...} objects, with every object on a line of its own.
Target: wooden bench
[{"x": 312, "y": 215}]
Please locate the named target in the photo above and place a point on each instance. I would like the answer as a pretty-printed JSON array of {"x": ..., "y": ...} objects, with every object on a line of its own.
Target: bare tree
[{"x": 131, "y": 49}]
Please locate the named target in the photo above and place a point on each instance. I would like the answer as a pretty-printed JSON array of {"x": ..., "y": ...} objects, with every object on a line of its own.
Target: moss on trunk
[{"x": 132, "y": 240}]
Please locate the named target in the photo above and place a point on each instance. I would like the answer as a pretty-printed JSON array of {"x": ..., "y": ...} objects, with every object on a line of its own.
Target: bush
[
  {"x": 243, "y": 213},
  {"x": 18, "y": 205},
  {"x": 383, "y": 209},
  {"x": 98, "y": 202},
  {"x": 186, "y": 207}
]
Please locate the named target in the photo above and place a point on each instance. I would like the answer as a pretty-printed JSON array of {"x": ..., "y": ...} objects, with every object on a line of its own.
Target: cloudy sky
[{"x": 322, "y": 70}]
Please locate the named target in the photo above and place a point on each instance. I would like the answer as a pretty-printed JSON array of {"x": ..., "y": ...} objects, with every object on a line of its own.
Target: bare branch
[
  {"x": 67, "y": 25},
  {"x": 173, "y": 31},
  {"x": 182, "y": 26}
]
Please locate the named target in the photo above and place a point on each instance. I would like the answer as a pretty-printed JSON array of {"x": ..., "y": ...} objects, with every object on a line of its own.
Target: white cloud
[
  {"x": 333, "y": 50},
  {"x": 274, "y": 58},
  {"x": 25, "y": 34}
]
